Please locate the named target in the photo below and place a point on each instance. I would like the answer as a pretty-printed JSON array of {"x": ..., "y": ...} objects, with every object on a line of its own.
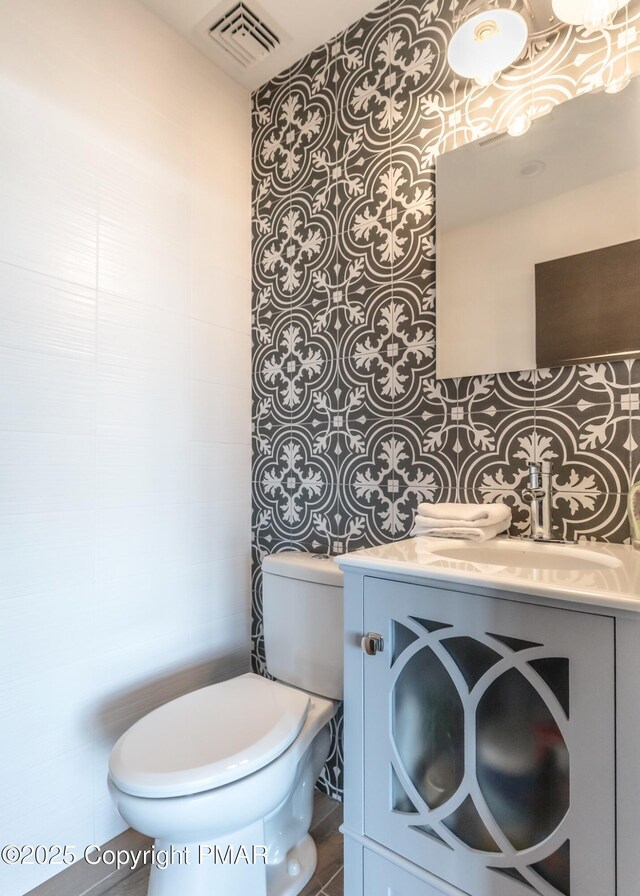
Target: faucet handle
[
  {"x": 538, "y": 469},
  {"x": 534, "y": 475}
]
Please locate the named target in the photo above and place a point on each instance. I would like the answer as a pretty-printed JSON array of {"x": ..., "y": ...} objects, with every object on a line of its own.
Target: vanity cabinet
[
  {"x": 480, "y": 743},
  {"x": 384, "y": 878}
]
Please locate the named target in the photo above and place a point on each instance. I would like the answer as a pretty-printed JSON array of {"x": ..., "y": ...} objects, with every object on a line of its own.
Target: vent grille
[
  {"x": 487, "y": 141},
  {"x": 245, "y": 37}
]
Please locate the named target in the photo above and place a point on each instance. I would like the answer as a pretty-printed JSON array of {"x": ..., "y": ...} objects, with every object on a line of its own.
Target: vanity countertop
[{"x": 611, "y": 580}]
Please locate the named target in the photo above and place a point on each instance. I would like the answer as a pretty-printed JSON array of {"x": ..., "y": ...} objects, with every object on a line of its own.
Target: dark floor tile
[
  {"x": 323, "y": 805},
  {"x": 134, "y": 885},
  {"x": 328, "y": 841},
  {"x": 335, "y": 887}
]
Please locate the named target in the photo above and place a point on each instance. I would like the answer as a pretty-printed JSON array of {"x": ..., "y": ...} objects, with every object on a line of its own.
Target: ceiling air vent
[
  {"x": 487, "y": 141},
  {"x": 245, "y": 37}
]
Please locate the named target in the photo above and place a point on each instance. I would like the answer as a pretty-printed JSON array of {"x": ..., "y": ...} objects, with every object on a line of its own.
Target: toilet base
[
  {"x": 233, "y": 867},
  {"x": 292, "y": 876},
  {"x": 204, "y": 869}
]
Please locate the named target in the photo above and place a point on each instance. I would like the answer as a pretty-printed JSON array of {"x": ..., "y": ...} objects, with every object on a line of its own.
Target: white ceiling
[{"x": 302, "y": 26}]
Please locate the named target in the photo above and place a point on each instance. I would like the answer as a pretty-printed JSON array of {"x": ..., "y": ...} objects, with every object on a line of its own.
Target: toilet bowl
[{"x": 222, "y": 778}]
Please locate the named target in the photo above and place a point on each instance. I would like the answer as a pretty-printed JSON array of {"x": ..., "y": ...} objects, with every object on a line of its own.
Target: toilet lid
[{"x": 208, "y": 738}]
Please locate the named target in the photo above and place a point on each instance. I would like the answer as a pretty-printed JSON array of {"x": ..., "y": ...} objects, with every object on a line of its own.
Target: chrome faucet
[{"x": 538, "y": 495}]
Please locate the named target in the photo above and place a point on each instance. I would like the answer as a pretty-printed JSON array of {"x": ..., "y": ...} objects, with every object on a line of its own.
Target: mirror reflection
[{"x": 538, "y": 241}]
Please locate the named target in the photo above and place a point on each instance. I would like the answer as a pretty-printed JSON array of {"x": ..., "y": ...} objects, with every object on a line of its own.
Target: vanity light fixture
[
  {"x": 615, "y": 85},
  {"x": 618, "y": 83},
  {"x": 592, "y": 14},
  {"x": 519, "y": 125},
  {"x": 486, "y": 43}
]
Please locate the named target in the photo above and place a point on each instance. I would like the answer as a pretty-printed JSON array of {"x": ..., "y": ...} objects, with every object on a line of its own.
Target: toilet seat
[{"x": 208, "y": 738}]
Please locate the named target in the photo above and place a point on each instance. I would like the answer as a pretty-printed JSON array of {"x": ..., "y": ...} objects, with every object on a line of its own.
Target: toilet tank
[{"x": 303, "y": 621}]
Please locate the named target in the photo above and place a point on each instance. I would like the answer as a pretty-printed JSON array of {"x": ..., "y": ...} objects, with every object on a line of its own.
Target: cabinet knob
[{"x": 372, "y": 643}]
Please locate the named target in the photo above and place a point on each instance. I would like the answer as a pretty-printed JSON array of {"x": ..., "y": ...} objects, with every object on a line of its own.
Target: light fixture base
[{"x": 486, "y": 43}]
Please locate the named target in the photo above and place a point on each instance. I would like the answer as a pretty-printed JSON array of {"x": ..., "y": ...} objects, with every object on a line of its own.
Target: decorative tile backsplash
[{"x": 351, "y": 428}]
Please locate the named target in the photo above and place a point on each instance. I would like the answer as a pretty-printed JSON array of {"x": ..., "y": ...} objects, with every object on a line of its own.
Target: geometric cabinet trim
[
  {"x": 487, "y": 757},
  {"x": 477, "y": 809}
]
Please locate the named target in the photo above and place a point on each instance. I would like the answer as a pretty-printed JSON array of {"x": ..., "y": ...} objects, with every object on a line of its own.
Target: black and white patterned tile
[
  {"x": 298, "y": 364},
  {"x": 331, "y": 779},
  {"x": 494, "y": 450},
  {"x": 368, "y": 514},
  {"x": 601, "y": 383},
  {"x": 299, "y": 245},
  {"x": 414, "y": 181},
  {"x": 429, "y": 446},
  {"x": 491, "y": 394},
  {"x": 351, "y": 426},
  {"x": 588, "y": 446},
  {"x": 390, "y": 348},
  {"x": 361, "y": 67},
  {"x": 314, "y": 528},
  {"x": 274, "y": 152},
  {"x": 268, "y": 212},
  {"x": 266, "y": 431},
  {"x": 292, "y": 482},
  {"x": 634, "y": 423},
  {"x": 341, "y": 69},
  {"x": 258, "y": 658},
  {"x": 329, "y": 424},
  {"x": 361, "y": 291},
  {"x": 434, "y": 401},
  {"x": 276, "y": 389},
  {"x": 309, "y": 134},
  {"x": 366, "y": 217},
  {"x": 265, "y": 99},
  {"x": 340, "y": 295},
  {"x": 362, "y": 166},
  {"x": 275, "y": 490},
  {"x": 267, "y": 312},
  {"x": 589, "y": 517},
  {"x": 420, "y": 33}
]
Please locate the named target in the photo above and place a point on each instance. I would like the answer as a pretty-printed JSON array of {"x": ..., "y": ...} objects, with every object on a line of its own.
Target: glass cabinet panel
[
  {"x": 428, "y": 727},
  {"x": 480, "y": 714},
  {"x": 522, "y": 761}
]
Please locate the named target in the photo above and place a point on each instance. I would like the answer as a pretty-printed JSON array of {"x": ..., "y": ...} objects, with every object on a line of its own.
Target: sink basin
[{"x": 526, "y": 555}]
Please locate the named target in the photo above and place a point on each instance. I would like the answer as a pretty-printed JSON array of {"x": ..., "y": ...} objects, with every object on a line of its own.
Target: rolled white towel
[
  {"x": 463, "y": 514},
  {"x": 453, "y": 511},
  {"x": 466, "y": 533},
  {"x": 497, "y": 520},
  {"x": 462, "y": 524}
]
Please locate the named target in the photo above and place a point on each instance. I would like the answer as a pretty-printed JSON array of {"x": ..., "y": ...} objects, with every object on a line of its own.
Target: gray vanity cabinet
[
  {"x": 384, "y": 878},
  {"x": 480, "y": 745}
]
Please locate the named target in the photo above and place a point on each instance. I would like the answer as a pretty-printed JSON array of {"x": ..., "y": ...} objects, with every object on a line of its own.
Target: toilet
[{"x": 222, "y": 778}]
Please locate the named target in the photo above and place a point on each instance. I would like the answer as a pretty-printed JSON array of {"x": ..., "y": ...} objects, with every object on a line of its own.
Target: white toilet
[{"x": 218, "y": 774}]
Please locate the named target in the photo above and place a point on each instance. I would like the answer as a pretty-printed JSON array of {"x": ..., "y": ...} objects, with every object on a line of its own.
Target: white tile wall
[{"x": 124, "y": 406}]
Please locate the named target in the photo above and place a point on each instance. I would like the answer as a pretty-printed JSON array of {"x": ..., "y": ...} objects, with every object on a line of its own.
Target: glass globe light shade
[
  {"x": 592, "y": 14},
  {"x": 519, "y": 125},
  {"x": 487, "y": 43}
]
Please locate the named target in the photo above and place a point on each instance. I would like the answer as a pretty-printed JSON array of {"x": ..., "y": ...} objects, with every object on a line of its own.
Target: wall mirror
[{"x": 538, "y": 241}]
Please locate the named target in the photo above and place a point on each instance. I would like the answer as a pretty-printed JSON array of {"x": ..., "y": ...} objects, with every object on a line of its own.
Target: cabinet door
[
  {"x": 489, "y": 741},
  {"x": 382, "y": 878}
]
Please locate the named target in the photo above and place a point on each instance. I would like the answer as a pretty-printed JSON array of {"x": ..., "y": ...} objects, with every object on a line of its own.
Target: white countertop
[{"x": 616, "y": 585}]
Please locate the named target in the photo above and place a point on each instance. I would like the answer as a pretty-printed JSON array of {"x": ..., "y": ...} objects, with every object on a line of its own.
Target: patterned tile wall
[{"x": 351, "y": 428}]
